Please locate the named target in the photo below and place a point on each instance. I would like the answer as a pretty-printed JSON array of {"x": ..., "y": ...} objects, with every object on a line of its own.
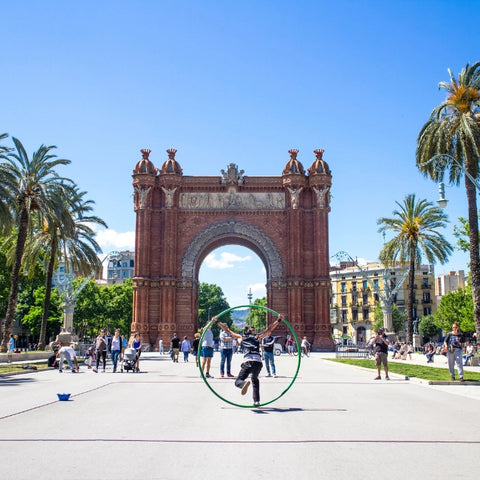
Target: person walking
[
  {"x": 453, "y": 343},
  {"x": 226, "y": 353},
  {"x": 175, "y": 346},
  {"x": 305, "y": 345},
  {"x": 10, "y": 348},
  {"x": 161, "y": 350},
  {"x": 185, "y": 347},
  {"x": 195, "y": 344},
  {"x": 268, "y": 343},
  {"x": 100, "y": 351},
  {"x": 137, "y": 345},
  {"x": 116, "y": 348},
  {"x": 250, "y": 341},
  {"x": 380, "y": 343},
  {"x": 207, "y": 351}
]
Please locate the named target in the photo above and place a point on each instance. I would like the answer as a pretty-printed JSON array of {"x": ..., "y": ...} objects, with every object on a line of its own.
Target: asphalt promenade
[{"x": 335, "y": 421}]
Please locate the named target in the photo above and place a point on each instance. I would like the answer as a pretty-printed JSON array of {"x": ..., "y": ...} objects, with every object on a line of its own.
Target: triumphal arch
[{"x": 181, "y": 219}]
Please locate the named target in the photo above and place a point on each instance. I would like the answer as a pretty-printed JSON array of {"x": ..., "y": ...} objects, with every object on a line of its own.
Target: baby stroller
[{"x": 129, "y": 360}]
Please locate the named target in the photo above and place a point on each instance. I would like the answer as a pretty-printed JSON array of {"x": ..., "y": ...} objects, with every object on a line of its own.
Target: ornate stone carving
[
  {"x": 169, "y": 196},
  {"x": 323, "y": 196},
  {"x": 294, "y": 196},
  {"x": 141, "y": 195},
  {"x": 232, "y": 201},
  {"x": 232, "y": 176},
  {"x": 232, "y": 229}
]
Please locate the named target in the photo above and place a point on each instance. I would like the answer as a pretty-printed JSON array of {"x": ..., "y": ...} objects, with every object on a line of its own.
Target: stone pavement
[{"x": 164, "y": 423}]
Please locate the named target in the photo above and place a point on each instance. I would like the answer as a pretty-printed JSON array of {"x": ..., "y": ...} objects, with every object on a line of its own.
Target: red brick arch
[{"x": 181, "y": 219}]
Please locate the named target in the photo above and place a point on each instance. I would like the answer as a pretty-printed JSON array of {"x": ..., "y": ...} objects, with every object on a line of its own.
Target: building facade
[
  {"x": 120, "y": 267},
  {"x": 357, "y": 289},
  {"x": 449, "y": 282}
]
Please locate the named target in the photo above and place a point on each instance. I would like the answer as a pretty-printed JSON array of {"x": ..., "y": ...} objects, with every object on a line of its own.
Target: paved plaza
[{"x": 164, "y": 423}]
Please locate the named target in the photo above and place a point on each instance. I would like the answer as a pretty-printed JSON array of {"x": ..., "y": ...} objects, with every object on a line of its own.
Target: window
[
  {"x": 365, "y": 313},
  {"x": 365, "y": 298},
  {"x": 344, "y": 316},
  {"x": 355, "y": 315},
  {"x": 343, "y": 286},
  {"x": 344, "y": 301},
  {"x": 354, "y": 286},
  {"x": 364, "y": 284},
  {"x": 375, "y": 283}
]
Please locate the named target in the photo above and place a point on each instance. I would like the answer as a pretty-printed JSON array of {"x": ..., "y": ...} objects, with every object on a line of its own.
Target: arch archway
[{"x": 180, "y": 219}]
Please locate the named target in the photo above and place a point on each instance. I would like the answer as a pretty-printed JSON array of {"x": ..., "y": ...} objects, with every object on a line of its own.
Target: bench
[{"x": 474, "y": 362}]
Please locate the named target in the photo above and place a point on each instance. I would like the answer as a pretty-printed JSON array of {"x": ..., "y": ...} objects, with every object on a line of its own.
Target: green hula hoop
[{"x": 299, "y": 356}]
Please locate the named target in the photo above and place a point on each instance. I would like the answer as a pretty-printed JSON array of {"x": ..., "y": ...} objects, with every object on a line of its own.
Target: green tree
[
  {"x": 456, "y": 306},
  {"x": 415, "y": 226},
  {"x": 5, "y": 211},
  {"x": 454, "y": 129},
  {"x": 32, "y": 185},
  {"x": 71, "y": 239},
  {"x": 258, "y": 316},
  {"x": 428, "y": 327},
  {"x": 32, "y": 318},
  {"x": 90, "y": 310},
  {"x": 398, "y": 318},
  {"x": 212, "y": 301},
  {"x": 118, "y": 301}
]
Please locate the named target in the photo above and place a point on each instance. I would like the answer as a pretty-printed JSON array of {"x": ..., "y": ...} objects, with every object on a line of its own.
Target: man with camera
[{"x": 380, "y": 345}]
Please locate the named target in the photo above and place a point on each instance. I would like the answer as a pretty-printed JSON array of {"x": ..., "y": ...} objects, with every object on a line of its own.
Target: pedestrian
[
  {"x": 207, "y": 351},
  {"x": 453, "y": 343},
  {"x": 137, "y": 345},
  {"x": 381, "y": 343},
  {"x": 268, "y": 343},
  {"x": 175, "y": 346},
  {"x": 196, "y": 342},
  {"x": 469, "y": 353},
  {"x": 100, "y": 351},
  {"x": 305, "y": 345},
  {"x": 185, "y": 347},
  {"x": 290, "y": 344},
  {"x": 10, "y": 348},
  {"x": 226, "y": 353},
  {"x": 161, "y": 350},
  {"x": 116, "y": 348},
  {"x": 67, "y": 353},
  {"x": 252, "y": 365}
]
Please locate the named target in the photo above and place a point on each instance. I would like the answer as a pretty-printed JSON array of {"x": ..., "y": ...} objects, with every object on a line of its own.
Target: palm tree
[
  {"x": 71, "y": 239},
  {"x": 5, "y": 213},
  {"x": 454, "y": 130},
  {"x": 415, "y": 225},
  {"x": 32, "y": 185}
]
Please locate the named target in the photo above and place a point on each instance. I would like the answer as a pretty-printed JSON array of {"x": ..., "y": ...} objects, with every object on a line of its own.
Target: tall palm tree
[
  {"x": 71, "y": 239},
  {"x": 454, "y": 129},
  {"x": 5, "y": 212},
  {"x": 32, "y": 185},
  {"x": 415, "y": 225}
]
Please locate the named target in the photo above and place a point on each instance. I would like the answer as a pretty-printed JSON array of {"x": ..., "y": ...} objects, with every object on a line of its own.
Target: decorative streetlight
[{"x": 250, "y": 296}]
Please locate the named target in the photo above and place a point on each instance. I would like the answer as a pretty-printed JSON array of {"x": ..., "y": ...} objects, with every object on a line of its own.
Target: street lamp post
[{"x": 250, "y": 296}]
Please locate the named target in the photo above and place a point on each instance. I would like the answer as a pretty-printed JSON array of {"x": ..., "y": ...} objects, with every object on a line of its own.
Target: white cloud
[
  {"x": 111, "y": 240},
  {"x": 226, "y": 260},
  {"x": 258, "y": 290}
]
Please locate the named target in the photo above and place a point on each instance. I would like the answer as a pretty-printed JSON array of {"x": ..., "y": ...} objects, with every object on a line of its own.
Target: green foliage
[
  {"x": 211, "y": 302},
  {"x": 32, "y": 318},
  {"x": 101, "y": 306},
  {"x": 428, "y": 327},
  {"x": 257, "y": 317},
  {"x": 456, "y": 306},
  {"x": 5, "y": 272}
]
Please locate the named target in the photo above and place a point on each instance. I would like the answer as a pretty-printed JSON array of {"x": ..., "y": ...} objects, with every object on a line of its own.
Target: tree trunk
[
  {"x": 48, "y": 293},
  {"x": 14, "y": 279},
  {"x": 411, "y": 294},
  {"x": 474, "y": 260}
]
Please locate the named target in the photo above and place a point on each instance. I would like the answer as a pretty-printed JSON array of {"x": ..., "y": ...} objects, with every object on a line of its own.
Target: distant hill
[{"x": 239, "y": 317}]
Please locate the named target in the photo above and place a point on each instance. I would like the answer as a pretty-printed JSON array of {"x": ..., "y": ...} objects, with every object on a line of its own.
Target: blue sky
[{"x": 240, "y": 82}]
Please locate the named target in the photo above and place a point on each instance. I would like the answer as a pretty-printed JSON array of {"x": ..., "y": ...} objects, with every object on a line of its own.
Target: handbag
[{"x": 444, "y": 350}]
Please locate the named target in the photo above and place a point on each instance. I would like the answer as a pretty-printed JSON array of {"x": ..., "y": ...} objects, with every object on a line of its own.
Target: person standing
[
  {"x": 185, "y": 347},
  {"x": 226, "y": 353},
  {"x": 175, "y": 346},
  {"x": 161, "y": 350},
  {"x": 137, "y": 345},
  {"x": 454, "y": 344},
  {"x": 268, "y": 344},
  {"x": 196, "y": 342},
  {"x": 290, "y": 344},
  {"x": 252, "y": 365},
  {"x": 10, "y": 348},
  {"x": 207, "y": 351},
  {"x": 116, "y": 348},
  {"x": 305, "y": 345},
  {"x": 380, "y": 343},
  {"x": 100, "y": 351}
]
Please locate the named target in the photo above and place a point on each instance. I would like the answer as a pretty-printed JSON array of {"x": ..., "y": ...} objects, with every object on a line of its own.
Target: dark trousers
[
  {"x": 103, "y": 356},
  {"x": 248, "y": 368}
]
